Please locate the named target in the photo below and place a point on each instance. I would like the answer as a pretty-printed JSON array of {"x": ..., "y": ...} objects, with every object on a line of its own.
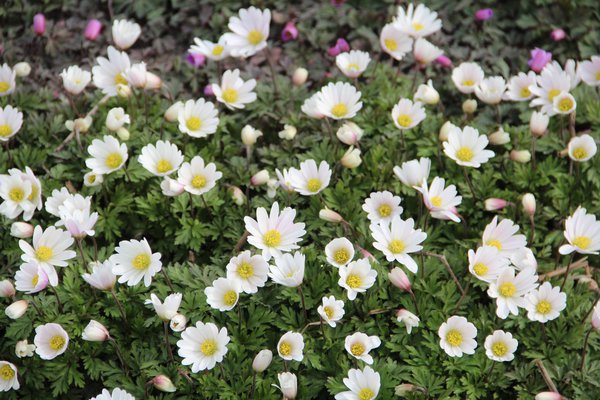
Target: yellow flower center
[
  {"x": 404, "y": 120},
  {"x": 418, "y": 26},
  {"x": 553, "y": 93},
  {"x": 245, "y": 270},
  {"x": 5, "y": 130},
  {"x": 34, "y": 193},
  {"x": 384, "y": 210},
  {"x": 163, "y": 166},
  {"x": 43, "y": 253},
  {"x": 579, "y": 153},
  {"x": 120, "y": 79},
  {"x": 354, "y": 281},
  {"x": 464, "y": 154},
  {"x": 16, "y": 194},
  {"x": 353, "y": 66},
  {"x": 499, "y": 349},
  {"x": 525, "y": 92},
  {"x": 272, "y": 238},
  {"x": 141, "y": 261},
  {"x": 543, "y": 307},
  {"x": 565, "y": 104},
  {"x": 468, "y": 82},
  {"x": 198, "y": 182},
  {"x": 328, "y": 311},
  {"x": 494, "y": 243},
  {"x": 357, "y": 349},
  {"x": 208, "y": 347},
  {"x": 217, "y": 50},
  {"x": 391, "y": 44},
  {"x": 91, "y": 178},
  {"x": 396, "y": 246},
  {"x": 6, "y": 372},
  {"x": 341, "y": 256},
  {"x": 339, "y": 110},
  {"x": 4, "y": 86},
  {"x": 230, "y": 95},
  {"x": 193, "y": 123},
  {"x": 597, "y": 76},
  {"x": 57, "y": 342},
  {"x": 113, "y": 160},
  {"x": 454, "y": 337},
  {"x": 313, "y": 184},
  {"x": 507, "y": 289},
  {"x": 230, "y": 297},
  {"x": 480, "y": 269},
  {"x": 255, "y": 37},
  {"x": 583, "y": 242},
  {"x": 35, "y": 280},
  {"x": 365, "y": 394},
  {"x": 285, "y": 349},
  {"x": 436, "y": 201}
]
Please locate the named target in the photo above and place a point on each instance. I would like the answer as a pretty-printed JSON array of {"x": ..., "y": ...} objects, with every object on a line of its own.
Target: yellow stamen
[
  {"x": 579, "y": 153},
  {"x": 120, "y": 80},
  {"x": 384, "y": 210},
  {"x": 468, "y": 82},
  {"x": 418, "y": 26},
  {"x": 208, "y": 347},
  {"x": 357, "y": 349},
  {"x": 230, "y": 298},
  {"x": 494, "y": 243},
  {"x": 565, "y": 104},
  {"x": 543, "y": 307},
  {"x": 193, "y": 123},
  {"x": 396, "y": 246},
  {"x": 255, "y": 37},
  {"x": 328, "y": 311},
  {"x": 499, "y": 349},
  {"x": 391, "y": 44},
  {"x": 525, "y": 92},
  {"x": 35, "y": 280},
  {"x": 6, "y": 372},
  {"x": 141, "y": 261},
  {"x": 436, "y": 201},
  {"x": 507, "y": 289},
  {"x": 272, "y": 238},
  {"x": 313, "y": 184},
  {"x": 404, "y": 120},
  {"x": 217, "y": 50},
  {"x": 4, "y": 86},
  {"x": 480, "y": 269},
  {"x": 57, "y": 342},
  {"x": 285, "y": 349},
  {"x": 354, "y": 281},
  {"x": 43, "y": 253},
  {"x": 245, "y": 270},
  {"x": 163, "y": 166},
  {"x": 230, "y": 95},
  {"x": 341, "y": 256},
  {"x": 198, "y": 182},
  {"x": 464, "y": 154},
  {"x": 16, "y": 194},
  {"x": 5, "y": 130},
  {"x": 365, "y": 394},
  {"x": 583, "y": 242},
  {"x": 339, "y": 110},
  {"x": 114, "y": 160},
  {"x": 353, "y": 66},
  {"x": 553, "y": 93},
  {"x": 454, "y": 337}
]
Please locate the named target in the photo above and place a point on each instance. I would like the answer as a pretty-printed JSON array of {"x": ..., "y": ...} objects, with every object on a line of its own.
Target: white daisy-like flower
[
  {"x": 108, "y": 155},
  {"x": 198, "y": 178},
  {"x": 518, "y": 86},
  {"x": 203, "y": 346},
  {"x": 7, "y": 80},
  {"x": 198, "y": 118},
  {"x": 441, "y": 201},
  {"x": 16, "y": 191},
  {"x": 291, "y": 346},
  {"x": 49, "y": 250},
  {"x": 288, "y": 269},
  {"x": 502, "y": 236},
  {"x": 75, "y": 79},
  {"x": 486, "y": 264},
  {"x": 382, "y": 206},
  {"x": 117, "y": 118},
  {"x": 353, "y": 63},
  {"x": 331, "y": 311},
  {"x": 357, "y": 277},
  {"x": 60, "y": 197},
  {"x": 589, "y": 71},
  {"x": 412, "y": 173},
  {"x": 250, "y": 272},
  {"x": 363, "y": 384},
  {"x": 523, "y": 258},
  {"x": 407, "y": 115},
  {"x": 311, "y": 108},
  {"x": 108, "y": 74},
  {"x": 582, "y": 148},
  {"x": 571, "y": 68},
  {"x": 11, "y": 121},
  {"x": 359, "y": 344},
  {"x": 467, "y": 76},
  {"x": 8, "y": 377},
  {"x": 213, "y": 51},
  {"x": 491, "y": 90},
  {"x": 249, "y": 31},
  {"x": 78, "y": 222},
  {"x": 161, "y": 159},
  {"x": 417, "y": 22},
  {"x": 457, "y": 336},
  {"x": 36, "y": 189},
  {"x": 117, "y": 394},
  {"x": 283, "y": 180},
  {"x": 233, "y": 91},
  {"x": 135, "y": 261},
  {"x": 102, "y": 276},
  {"x": 125, "y": 33},
  {"x": 136, "y": 75},
  {"x": 167, "y": 309},
  {"x": 427, "y": 94},
  {"x": 582, "y": 231},
  {"x": 550, "y": 83},
  {"x": 223, "y": 295},
  {"x": 30, "y": 278},
  {"x": 467, "y": 147},
  {"x": 339, "y": 252},
  {"x": 564, "y": 103},
  {"x": 425, "y": 52},
  {"x": 51, "y": 340},
  {"x": 274, "y": 233},
  {"x": 510, "y": 290},
  {"x": 396, "y": 240},
  {"x": 500, "y": 346},
  {"x": 338, "y": 100},
  {"x": 545, "y": 303},
  {"x": 310, "y": 179},
  {"x": 91, "y": 179},
  {"x": 288, "y": 384},
  {"x": 395, "y": 42},
  {"x": 407, "y": 318}
]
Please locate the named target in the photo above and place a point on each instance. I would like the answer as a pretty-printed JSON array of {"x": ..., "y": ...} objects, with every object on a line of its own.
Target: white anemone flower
[
  {"x": 550, "y": 83},
  {"x": 407, "y": 318},
  {"x": 167, "y": 309},
  {"x": 338, "y": 100},
  {"x": 331, "y": 310},
  {"x": 407, "y": 115},
  {"x": 233, "y": 91},
  {"x": 198, "y": 178},
  {"x": 133, "y": 261},
  {"x": 161, "y": 159},
  {"x": 491, "y": 90},
  {"x": 363, "y": 384},
  {"x": 79, "y": 222},
  {"x": 425, "y": 52},
  {"x": 500, "y": 346},
  {"x": 545, "y": 303},
  {"x": 108, "y": 155},
  {"x": 250, "y": 272},
  {"x": 467, "y": 76},
  {"x": 382, "y": 206},
  {"x": 16, "y": 191},
  {"x": 582, "y": 231},
  {"x": 198, "y": 118},
  {"x": 339, "y": 252},
  {"x": 91, "y": 179},
  {"x": 503, "y": 236},
  {"x": 223, "y": 295},
  {"x": 396, "y": 240},
  {"x": 510, "y": 290},
  {"x": 417, "y": 22},
  {"x": 288, "y": 269},
  {"x": 518, "y": 86},
  {"x": 203, "y": 346},
  {"x": 291, "y": 346},
  {"x": 249, "y": 31},
  {"x": 359, "y": 344},
  {"x": 30, "y": 278},
  {"x": 589, "y": 71},
  {"x": 467, "y": 147},
  {"x": 457, "y": 336},
  {"x": 125, "y": 33},
  {"x": 117, "y": 394},
  {"x": 310, "y": 179},
  {"x": 102, "y": 277},
  {"x": 412, "y": 173},
  {"x": 353, "y": 63},
  {"x": 51, "y": 340},
  {"x": 582, "y": 148},
  {"x": 11, "y": 121},
  {"x": 564, "y": 103},
  {"x": 357, "y": 277},
  {"x": 311, "y": 108},
  {"x": 8, "y": 377},
  {"x": 7, "y": 80},
  {"x": 213, "y": 51},
  {"x": 486, "y": 264},
  {"x": 441, "y": 201},
  {"x": 395, "y": 42},
  {"x": 108, "y": 74}
]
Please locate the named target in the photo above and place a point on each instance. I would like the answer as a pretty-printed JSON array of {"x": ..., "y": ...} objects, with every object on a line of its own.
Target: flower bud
[
  {"x": 172, "y": 113},
  {"x": 195, "y": 59},
  {"x": 92, "y": 29},
  {"x": 16, "y": 309},
  {"x": 262, "y": 360},
  {"x": 529, "y": 204},
  {"x": 153, "y": 81},
  {"x": 289, "y": 32},
  {"x": 548, "y": 396},
  {"x": 250, "y": 135},
  {"x": 288, "y": 132},
  {"x": 300, "y": 76},
  {"x": 596, "y": 316},
  {"x": 237, "y": 195},
  {"x": 494, "y": 204},
  {"x": 123, "y": 91},
  {"x": 136, "y": 75},
  {"x": 178, "y": 322},
  {"x": 444, "y": 61},
  {"x": 123, "y": 134},
  {"x": 484, "y": 14},
  {"x": 22, "y": 69},
  {"x": 520, "y": 156},
  {"x": 163, "y": 383},
  {"x": 427, "y": 94},
  {"x": 469, "y": 106},
  {"x": 278, "y": 17},
  {"x": 558, "y": 34},
  {"x": 405, "y": 388},
  {"x": 6, "y": 288},
  {"x": 208, "y": 90},
  {"x": 399, "y": 279},
  {"x": 21, "y": 230},
  {"x": 288, "y": 384},
  {"x": 351, "y": 159},
  {"x": 260, "y": 178},
  {"x": 95, "y": 332},
  {"x": 81, "y": 124},
  {"x": 39, "y": 24},
  {"x": 24, "y": 349},
  {"x": 499, "y": 137},
  {"x": 171, "y": 187},
  {"x": 445, "y": 130},
  {"x": 349, "y": 133},
  {"x": 538, "y": 124},
  {"x": 330, "y": 216}
]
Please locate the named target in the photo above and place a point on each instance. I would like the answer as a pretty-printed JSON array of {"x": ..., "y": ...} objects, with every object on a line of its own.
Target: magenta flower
[
  {"x": 558, "y": 34},
  {"x": 208, "y": 90},
  {"x": 341, "y": 46},
  {"x": 539, "y": 59},
  {"x": 337, "y": 3},
  {"x": 444, "y": 61},
  {"x": 92, "y": 29},
  {"x": 484, "y": 14},
  {"x": 195, "y": 59},
  {"x": 289, "y": 32},
  {"x": 39, "y": 24}
]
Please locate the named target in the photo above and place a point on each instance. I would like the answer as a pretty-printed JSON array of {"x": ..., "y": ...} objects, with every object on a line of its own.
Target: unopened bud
[
  {"x": 24, "y": 349},
  {"x": 494, "y": 204},
  {"x": 237, "y": 195},
  {"x": 262, "y": 360},
  {"x": 548, "y": 396},
  {"x": 499, "y": 137},
  {"x": 16, "y": 309},
  {"x": 330, "y": 216},
  {"x": 123, "y": 134},
  {"x": 163, "y": 383},
  {"x": 95, "y": 332},
  {"x": 520, "y": 156},
  {"x": 178, "y": 322},
  {"x": 529, "y": 204},
  {"x": 288, "y": 132},
  {"x": 538, "y": 124},
  {"x": 250, "y": 135},
  {"x": 351, "y": 159},
  {"x": 260, "y": 178},
  {"x": 123, "y": 91},
  {"x": 349, "y": 133},
  {"x": 22, "y": 69},
  {"x": 21, "y": 230},
  {"x": 399, "y": 279},
  {"x": 6, "y": 288},
  {"x": 469, "y": 106},
  {"x": 405, "y": 388},
  {"x": 300, "y": 76},
  {"x": 427, "y": 94},
  {"x": 153, "y": 81},
  {"x": 172, "y": 113},
  {"x": 445, "y": 130}
]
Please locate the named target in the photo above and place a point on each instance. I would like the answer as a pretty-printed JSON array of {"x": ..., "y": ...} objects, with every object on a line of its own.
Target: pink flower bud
[
  {"x": 21, "y": 230},
  {"x": 596, "y": 317},
  {"x": 539, "y": 59},
  {"x": 260, "y": 178},
  {"x": 6, "y": 288},
  {"x": 444, "y": 61},
  {"x": 529, "y": 204},
  {"x": 95, "y": 332},
  {"x": 520, "y": 156},
  {"x": 484, "y": 14},
  {"x": 163, "y": 383},
  {"x": 39, "y": 24},
  {"x": 16, "y": 309},
  {"x": 494, "y": 204},
  {"x": 330, "y": 215},
  {"x": 208, "y": 91},
  {"x": 399, "y": 279},
  {"x": 366, "y": 253},
  {"x": 92, "y": 29},
  {"x": 342, "y": 45},
  {"x": 333, "y": 51},
  {"x": 153, "y": 81},
  {"x": 558, "y": 34},
  {"x": 195, "y": 59},
  {"x": 289, "y": 32},
  {"x": 548, "y": 396}
]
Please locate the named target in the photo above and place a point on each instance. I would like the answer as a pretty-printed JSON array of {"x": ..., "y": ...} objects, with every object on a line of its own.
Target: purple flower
[
  {"x": 539, "y": 59},
  {"x": 195, "y": 59},
  {"x": 208, "y": 90},
  {"x": 444, "y": 61},
  {"x": 484, "y": 14},
  {"x": 558, "y": 34},
  {"x": 342, "y": 45},
  {"x": 39, "y": 24},
  {"x": 92, "y": 30},
  {"x": 337, "y": 3},
  {"x": 289, "y": 32}
]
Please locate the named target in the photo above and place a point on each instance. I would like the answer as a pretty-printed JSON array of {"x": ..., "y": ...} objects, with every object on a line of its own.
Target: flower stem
[
  {"x": 303, "y": 303},
  {"x": 80, "y": 247},
  {"x": 414, "y": 300},
  {"x": 121, "y": 310},
  {"x": 167, "y": 279},
  {"x": 470, "y": 184},
  {"x": 562, "y": 285},
  {"x": 166, "y": 332},
  {"x": 585, "y": 342},
  {"x": 58, "y": 302},
  {"x": 119, "y": 355},
  {"x": 251, "y": 395},
  {"x": 444, "y": 261}
]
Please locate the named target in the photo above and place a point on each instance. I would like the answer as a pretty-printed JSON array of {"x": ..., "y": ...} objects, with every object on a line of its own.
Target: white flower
[
  {"x": 116, "y": 118},
  {"x": 108, "y": 155},
  {"x": 288, "y": 269},
  {"x": 178, "y": 322},
  {"x": 108, "y": 74},
  {"x": 457, "y": 336},
  {"x": 117, "y": 394},
  {"x": 125, "y": 33},
  {"x": 407, "y": 318},
  {"x": 250, "y": 135},
  {"x": 331, "y": 311},
  {"x": 288, "y": 132},
  {"x": 550, "y": 83},
  {"x": 234, "y": 92},
  {"x": 538, "y": 124},
  {"x": 161, "y": 159},
  {"x": 11, "y": 120},
  {"x": 467, "y": 147},
  {"x": 16, "y": 191},
  {"x": 589, "y": 71},
  {"x": 213, "y": 51},
  {"x": 509, "y": 290},
  {"x": 134, "y": 260},
  {"x": 8, "y": 377},
  {"x": 425, "y": 52},
  {"x": 291, "y": 346},
  {"x": 35, "y": 197},
  {"x": 310, "y": 179},
  {"x": 440, "y": 201},
  {"x": 339, "y": 252},
  {"x": 262, "y": 360},
  {"x": 168, "y": 309},
  {"x": 500, "y": 346},
  {"x": 250, "y": 31},
  {"x": 198, "y": 178},
  {"x": 17, "y": 309},
  {"x": 24, "y": 349},
  {"x": 274, "y": 233},
  {"x": 417, "y": 22},
  {"x": 349, "y": 133},
  {"x": 412, "y": 173},
  {"x": 382, "y": 206},
  {"x": 427, "y": 94},
  {"x": 288, "y": 384},
  {"x": 397, "y": 239},
  {"x": 571, "y": 69},
  {"x": 395, "y": 42},
  {"x": 249, "y": 271},
  {"x": 283, "y": 180},
  {"x": 486, "y": 264},
  {"x": 502, "y": 236},
  {"x": 171, "y": 187},
  {"x": 359, "y": 345},
  {"x": 351, "y": 158},
  {"x": 353, "y": 63},
  {"x": 467, "y": 76},
  {"x": 79, "y": 222},
  {"x": 338, "y": 100},
  {"x": 312, "y": 108},
  {"x": 223, "y": 295},
  {"x": 95, "y": 332},
  {"x": 136, "y": 75},
  {"x": 407, "y": 114},
  {"x": 102, "y": 277},
  {"x": 7, "y": 80},
  {"x": 545, "y": 303},
  {"x": 518, "y": 86},
  {"x": 203, "y": 346},
  {"x": 582, "y": 148},
  {"x": 75, "y": 79},
  {"x": 523, "y": 258},
  {"x": 51, "y": 340},
  {"x": 564, "y": 103},
  {"x": 363, "y": 384},
  {"x": 499, "y": 137},
  {"x": 198, "y": 118},
  {"x": 357, "y": 277},
  {"x": 582, "y": 231},
  {"x": 30, "y": 278},
  {"x": 491, "y": 90},
  {"x": 90, "y": 179}
]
